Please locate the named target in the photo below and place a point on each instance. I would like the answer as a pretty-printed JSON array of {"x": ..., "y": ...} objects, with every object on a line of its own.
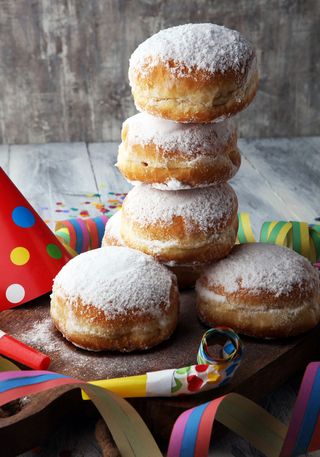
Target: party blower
[{"x": 22, "y": 353}]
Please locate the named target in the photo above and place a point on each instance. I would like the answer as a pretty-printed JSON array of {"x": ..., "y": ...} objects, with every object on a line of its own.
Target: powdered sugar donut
[
  {"x": 194, "y": 73},
  {"x": 186, "y": 274},
  {"x": 185, "y": 226},
  {"x": 112, "y": 235},
  {"x": 261, "y": 290},
  {"x": 171, "y": 155},
  {"x": 115, "y": 298}
]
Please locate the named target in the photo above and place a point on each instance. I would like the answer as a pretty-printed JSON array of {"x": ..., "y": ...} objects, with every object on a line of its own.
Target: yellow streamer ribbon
[
  {"x": 299, "y": 236},
  {"x": 6, "y": 365}
]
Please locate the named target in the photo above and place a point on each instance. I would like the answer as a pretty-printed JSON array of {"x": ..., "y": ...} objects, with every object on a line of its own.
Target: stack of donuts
[
  {"x": 181, "y": 149},
  {"x": 179, "y": 152}
]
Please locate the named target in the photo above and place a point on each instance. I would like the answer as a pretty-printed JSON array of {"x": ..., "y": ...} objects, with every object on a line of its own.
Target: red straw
[{"x": 20, "y": 352}]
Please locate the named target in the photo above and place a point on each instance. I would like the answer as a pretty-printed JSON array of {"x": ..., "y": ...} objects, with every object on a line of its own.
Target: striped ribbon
[
  {"x": 304, "y": 430},
  {"x": 192, "y": 431},
  {"x": 130, "y": 433},
  {"x": 299, "y": 236},
  {"x": 80, "y": 235}
]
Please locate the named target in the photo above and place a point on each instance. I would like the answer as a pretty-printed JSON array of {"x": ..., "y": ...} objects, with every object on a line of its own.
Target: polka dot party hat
[{"x": 30, "y": 254}]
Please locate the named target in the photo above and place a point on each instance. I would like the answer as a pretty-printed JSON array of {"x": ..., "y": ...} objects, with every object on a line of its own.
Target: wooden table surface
[{"x": 278, "y": 179}]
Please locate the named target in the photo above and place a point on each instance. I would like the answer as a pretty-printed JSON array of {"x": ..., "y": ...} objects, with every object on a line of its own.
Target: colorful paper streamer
[
  {"x": 192, "y": 431},
  {"x": 301, "y": 237},
  {"x": 79, "y": 235},
  {"x": 130, "y": 433},
  {"x": 6, "y": 365},
  {"x": 210, "y": 372}
]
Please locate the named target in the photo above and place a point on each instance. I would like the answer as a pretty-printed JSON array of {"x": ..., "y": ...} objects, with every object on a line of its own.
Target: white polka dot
[{"x": 15, "y": 293}]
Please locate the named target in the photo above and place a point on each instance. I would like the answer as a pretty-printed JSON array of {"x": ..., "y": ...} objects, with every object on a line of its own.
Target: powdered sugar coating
[
  {"x": 208, "y": 47},
  {"x": 112, "y": 228},
  {"x": 173, "y": 184},
  {"x": 258, "y": 267},
  {"x": 116, "y": 280},
  {"x": 191, "y": 140},
  {"x": 207, "y": 208}
]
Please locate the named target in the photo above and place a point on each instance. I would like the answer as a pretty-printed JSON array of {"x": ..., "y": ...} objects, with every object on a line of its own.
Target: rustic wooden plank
[
  {"x": 57, "y": 167},
  {"x": 63, "y": 81},
  {"x": 4, "y": 157},
  {"x": 50, "y": 173},
  {"x": 314, "y": 142},
  {"x": 291, "y": 169},
  {"x": 103, "y": 157},
  {"x": 257, "y": 197},
  {"x": 256, "y": 184}
]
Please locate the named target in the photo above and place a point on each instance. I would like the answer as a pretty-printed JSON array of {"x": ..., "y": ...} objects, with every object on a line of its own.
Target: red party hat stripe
[{"x": 30, "y": 254}]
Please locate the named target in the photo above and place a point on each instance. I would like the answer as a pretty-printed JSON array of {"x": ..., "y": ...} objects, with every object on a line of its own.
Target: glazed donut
[
  {"x": 173, "y": 156},
  {"x": 194, "y": 73},
  {"x": 260, "y": 290},
  {"x": 115, "y": 299},
  {"x": 183, "y": 226},
  {"x": 186, "y": 274}
]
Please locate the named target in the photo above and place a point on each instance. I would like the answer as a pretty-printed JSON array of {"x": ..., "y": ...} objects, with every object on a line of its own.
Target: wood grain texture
[
  {"x": 255, "y": 195},
  {"x": 291, "y": 170},
  {"x": 103, "y": 157},
  {"x": 63, "y": 71},
  {"x": 52, "y": 172}
]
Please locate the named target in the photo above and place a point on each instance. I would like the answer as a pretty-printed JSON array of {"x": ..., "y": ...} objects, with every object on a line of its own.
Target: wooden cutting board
[{"x": 265, "y": 365}]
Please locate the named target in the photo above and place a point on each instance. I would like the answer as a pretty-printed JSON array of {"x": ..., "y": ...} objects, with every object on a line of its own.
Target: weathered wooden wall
[{"x": 63, "y": 63}]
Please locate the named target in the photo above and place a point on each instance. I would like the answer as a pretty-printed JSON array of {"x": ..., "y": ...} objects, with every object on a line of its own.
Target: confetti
[
  {"x": 92, "y": 195},
  {"x": 110, "y": 204}
]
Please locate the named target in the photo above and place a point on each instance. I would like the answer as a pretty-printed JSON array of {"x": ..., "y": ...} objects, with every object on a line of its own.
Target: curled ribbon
[
  {"x": 80, "y": 235},
  {"x": 192, "y": 431},
  {"x": 130, "y": 433},
  {"x": 301, "y": 237}
]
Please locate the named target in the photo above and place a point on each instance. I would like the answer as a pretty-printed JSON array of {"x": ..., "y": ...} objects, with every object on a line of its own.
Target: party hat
[{"x": 30, "y": 254}]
